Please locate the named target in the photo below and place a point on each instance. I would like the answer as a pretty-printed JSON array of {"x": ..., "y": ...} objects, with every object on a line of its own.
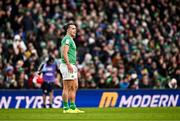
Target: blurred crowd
[{"x": 126, "y": 44}]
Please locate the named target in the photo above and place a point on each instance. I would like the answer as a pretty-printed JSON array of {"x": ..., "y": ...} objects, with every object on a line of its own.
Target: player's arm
[
  {"x": 65, "y": 54},
  {"x": 66, "y": 59}
]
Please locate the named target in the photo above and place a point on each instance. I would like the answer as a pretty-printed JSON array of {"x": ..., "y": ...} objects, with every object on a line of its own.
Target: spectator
[
  {"x": 18, "y": 45},
  {"x": 172, "y": 84}
]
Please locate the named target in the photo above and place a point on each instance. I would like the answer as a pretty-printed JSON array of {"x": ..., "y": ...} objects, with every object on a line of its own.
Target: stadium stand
[{"x": 125, "y": 44}]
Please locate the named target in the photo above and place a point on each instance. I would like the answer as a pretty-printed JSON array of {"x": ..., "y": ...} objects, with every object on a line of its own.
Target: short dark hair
[
  {"x": 50, "y": 59},
  {"x": 67, "y": 26}
]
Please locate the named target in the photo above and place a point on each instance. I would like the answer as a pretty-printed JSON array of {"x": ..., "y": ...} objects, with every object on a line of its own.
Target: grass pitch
[{"x": 93, "y": 114}]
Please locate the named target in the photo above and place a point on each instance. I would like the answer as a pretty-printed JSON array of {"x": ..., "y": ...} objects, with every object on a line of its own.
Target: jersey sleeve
[{"x": 66, "y": 42}]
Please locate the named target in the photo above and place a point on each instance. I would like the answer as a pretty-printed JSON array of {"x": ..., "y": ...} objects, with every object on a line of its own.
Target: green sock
[
  {"x": 65, "y": 106},
  {"x": 72, "y": 105}
]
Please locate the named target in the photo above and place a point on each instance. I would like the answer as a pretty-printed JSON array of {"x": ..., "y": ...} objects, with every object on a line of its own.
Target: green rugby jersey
[{"x": 67, "y": 40}]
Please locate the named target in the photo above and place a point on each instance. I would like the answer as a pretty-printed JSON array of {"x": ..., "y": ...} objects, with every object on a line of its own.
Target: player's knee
[{"x": 72, "y": 88}]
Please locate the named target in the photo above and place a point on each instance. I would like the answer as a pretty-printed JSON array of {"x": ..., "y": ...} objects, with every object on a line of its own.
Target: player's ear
[{"x": 65, "y": 27}]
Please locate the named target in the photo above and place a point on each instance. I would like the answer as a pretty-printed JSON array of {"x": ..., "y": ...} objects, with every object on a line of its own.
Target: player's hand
[{"x": 70, "y": 68}]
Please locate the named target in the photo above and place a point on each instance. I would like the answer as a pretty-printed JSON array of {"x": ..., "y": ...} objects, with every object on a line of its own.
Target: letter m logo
[{"x": 108, "y": 99}]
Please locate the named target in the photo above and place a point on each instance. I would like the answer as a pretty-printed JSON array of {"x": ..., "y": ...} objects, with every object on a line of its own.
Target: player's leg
[
  {"x": 72, "y": 93},
  {"x": 65, "y": 94},
  {"x": 44, "y": 91},
  {"x": 51, "y": 92},
  {"x": 44, "y": 101},
  {"x": 50, "y": 98},
  {"x": 72, "y": 97}
]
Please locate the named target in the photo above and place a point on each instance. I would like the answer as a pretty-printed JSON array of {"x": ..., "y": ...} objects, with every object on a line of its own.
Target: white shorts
[{"x": 66, "y": 75}]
